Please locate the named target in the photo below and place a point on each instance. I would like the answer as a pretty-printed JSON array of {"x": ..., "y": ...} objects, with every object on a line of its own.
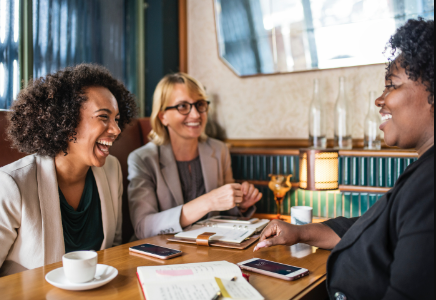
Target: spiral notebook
[
  {"x": 197, "y": 281},
  {"x": 228, "y": 235}
]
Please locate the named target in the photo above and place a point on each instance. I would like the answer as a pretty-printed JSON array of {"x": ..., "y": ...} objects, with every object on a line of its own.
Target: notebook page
[
  {"x": 258, "y": 226},
  {"x": 182, "y": 290},
  {"x": 195, "y": 271},
  {"x": 239, "y": 289},
  {"x": 203, "y": 289}
]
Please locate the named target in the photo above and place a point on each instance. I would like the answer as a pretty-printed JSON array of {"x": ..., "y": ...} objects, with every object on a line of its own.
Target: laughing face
[
  {"x": 98, "y": 128},
  {"x": 408, "y": 118},
  {"x": 186, "y": 127}
]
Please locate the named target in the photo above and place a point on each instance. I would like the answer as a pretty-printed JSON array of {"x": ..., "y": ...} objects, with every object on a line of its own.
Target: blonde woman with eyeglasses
[{"x": 182, "y": 176}]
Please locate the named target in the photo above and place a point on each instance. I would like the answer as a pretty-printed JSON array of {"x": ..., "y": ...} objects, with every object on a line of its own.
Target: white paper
[{"x": 221, "y": 269}]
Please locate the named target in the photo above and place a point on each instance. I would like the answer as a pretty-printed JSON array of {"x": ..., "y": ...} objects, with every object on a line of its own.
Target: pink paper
[{"x": 175, "y": 272}]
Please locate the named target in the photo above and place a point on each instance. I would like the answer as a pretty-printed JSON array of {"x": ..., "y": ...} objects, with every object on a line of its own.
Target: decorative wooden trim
[
  {"x": 269, "y": 143},
  {"x": 306, "y": 71},
  {"x": 288, "y": 143},
  {"x": 295, "y": 185},
  {"x": 264, "y": 151},
  {"x": 396, "y": 153},
  {"x": 363, "y": 189},
  {"x": 141, "y": 6},
  {"x": 183, "y": 36},
  {"x": 382, "y": 153}
]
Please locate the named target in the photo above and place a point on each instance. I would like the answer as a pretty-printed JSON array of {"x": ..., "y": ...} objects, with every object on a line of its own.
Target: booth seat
[{"x": 133, "y": 137}]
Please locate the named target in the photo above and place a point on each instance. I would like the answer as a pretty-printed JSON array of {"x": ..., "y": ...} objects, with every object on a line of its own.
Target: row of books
[
  {"x": 372, "y": 171},
  {"x": 329, "y": 204},
  {"x": 258, "y": 167}
]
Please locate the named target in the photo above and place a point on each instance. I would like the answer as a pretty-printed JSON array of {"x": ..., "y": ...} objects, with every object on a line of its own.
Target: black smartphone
[
  {"x": 273, "y": 269},
  {"x": 156, "y": 251}
]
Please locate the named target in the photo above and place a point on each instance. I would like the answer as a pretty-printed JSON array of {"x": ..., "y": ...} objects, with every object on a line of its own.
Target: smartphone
[
  {"x": 156, "y": 251},
  {"x": 270, "y": 268},
  {"x": 230, "y": 219}
]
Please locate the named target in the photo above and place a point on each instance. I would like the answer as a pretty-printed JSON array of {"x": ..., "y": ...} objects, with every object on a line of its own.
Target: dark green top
[{"x": 83, "y": 228}]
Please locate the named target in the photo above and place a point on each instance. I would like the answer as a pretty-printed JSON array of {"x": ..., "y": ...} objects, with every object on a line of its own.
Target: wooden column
[{"x": 183, "y": 36}]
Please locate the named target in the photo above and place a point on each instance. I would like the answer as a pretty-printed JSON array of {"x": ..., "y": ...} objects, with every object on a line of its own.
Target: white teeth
[
  {"x": 106, "y": 143},
  {"x": 193, "y": 124},
  {"x": 386, "y": 118}
]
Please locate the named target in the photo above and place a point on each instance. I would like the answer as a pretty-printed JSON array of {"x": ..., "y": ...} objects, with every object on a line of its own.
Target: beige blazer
[
  {"x": 155, "y": 191},
  {"x": 31, "y": 233}
]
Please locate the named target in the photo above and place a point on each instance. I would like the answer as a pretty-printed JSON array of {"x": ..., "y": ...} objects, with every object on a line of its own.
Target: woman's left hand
[{"x": 251, "y": 196}]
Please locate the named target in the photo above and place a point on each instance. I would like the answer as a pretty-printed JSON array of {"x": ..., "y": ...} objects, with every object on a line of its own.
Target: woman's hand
[
  {"x": 282, "y": 233},
  {"x": 225, "y": 197},
  {"x": 279, "y": 233},
  {"x": 251, "y": 195}
]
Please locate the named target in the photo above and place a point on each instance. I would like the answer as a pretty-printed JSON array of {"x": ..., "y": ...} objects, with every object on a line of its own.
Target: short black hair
[
  {"x": 414, "y": 43},
  {"x": 47, "y": 112}
]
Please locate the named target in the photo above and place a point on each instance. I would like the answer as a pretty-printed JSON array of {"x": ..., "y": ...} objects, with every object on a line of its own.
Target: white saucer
[{"x": 103, "y": 275}]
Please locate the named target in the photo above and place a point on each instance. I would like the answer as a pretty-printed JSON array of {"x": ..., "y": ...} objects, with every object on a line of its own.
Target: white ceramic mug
[
  {"x": 301, "y": 215},
  {"x": 80, "y": 266}
]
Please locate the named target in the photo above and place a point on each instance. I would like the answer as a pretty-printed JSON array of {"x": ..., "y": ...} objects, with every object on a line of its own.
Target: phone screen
[
  {"x": 272, "y": 267},
  {"x": 152, "y": 249}
]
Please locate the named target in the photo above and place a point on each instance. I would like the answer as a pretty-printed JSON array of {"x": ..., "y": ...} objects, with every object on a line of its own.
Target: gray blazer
[
  {"x": 31, "y": 233},
  {"x": 155, "y": 191}
]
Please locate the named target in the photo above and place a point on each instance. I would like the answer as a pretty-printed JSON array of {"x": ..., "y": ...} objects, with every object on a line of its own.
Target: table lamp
[{"x": 319, "y": 169}]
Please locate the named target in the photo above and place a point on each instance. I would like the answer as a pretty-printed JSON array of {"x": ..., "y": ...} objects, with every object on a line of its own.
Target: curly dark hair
[
  {"x": 47, "y": 112},
  {"x": 414, "y": 43}
]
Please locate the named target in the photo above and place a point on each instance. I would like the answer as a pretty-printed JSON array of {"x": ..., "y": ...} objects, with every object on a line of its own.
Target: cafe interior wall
[{"x": 274, "y": 106}]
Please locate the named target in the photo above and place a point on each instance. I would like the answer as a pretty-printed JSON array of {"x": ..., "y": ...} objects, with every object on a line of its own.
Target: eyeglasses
[{"x": 185, "y": 108}]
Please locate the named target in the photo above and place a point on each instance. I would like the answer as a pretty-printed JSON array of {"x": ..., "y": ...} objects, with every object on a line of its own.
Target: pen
[{"x": 217, "y": 296}]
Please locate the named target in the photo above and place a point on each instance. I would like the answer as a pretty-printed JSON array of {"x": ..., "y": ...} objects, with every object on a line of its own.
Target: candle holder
[
  {"x": 280, "y": 185},
  {"x": 319, "y": 169}
]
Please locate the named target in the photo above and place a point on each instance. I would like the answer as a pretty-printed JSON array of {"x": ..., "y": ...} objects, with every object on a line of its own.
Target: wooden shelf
[
  {"x": 295, "y": 185},
  {"x": 364, "y": 189},
  {"x": 286, "y": 218},
  {"x": 395, "y": 153}
]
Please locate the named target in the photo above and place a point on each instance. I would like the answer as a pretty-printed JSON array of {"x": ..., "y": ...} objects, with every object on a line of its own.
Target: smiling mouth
[
  {"x": 104, "y": 146},
  {"x": 386, "y": 118},
  {"x": 193, "y": 124}
]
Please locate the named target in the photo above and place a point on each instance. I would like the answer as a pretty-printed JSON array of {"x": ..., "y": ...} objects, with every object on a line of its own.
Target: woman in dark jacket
[{"x": 388, "y": 253}]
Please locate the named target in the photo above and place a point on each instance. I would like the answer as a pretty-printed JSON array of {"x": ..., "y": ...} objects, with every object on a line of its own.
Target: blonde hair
[{"x": 162, "y": 95}]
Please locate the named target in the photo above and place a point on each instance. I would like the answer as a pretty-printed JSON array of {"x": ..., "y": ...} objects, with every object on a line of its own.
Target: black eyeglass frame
[{"x": 190, "y": 108}]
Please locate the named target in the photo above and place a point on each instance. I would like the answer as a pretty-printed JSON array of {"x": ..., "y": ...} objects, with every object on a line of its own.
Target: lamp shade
[{"x": 319, "y": 169}]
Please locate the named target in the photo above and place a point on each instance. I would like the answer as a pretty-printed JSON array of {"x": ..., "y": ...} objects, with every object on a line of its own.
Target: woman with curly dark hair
[
  {"x": 388, "y": 253},
  {"x": 66, "y": 196}
]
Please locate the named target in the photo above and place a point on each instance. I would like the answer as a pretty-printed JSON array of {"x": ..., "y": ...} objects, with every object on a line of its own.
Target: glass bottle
[
  {"x": 372, "y": 123},
  {"x": 343, "y": 139},
  {"x": 317, "y": 125}
]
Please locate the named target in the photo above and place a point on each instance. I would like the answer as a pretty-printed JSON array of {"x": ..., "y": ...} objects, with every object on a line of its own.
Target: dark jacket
[{"x": 388, "y": 253}]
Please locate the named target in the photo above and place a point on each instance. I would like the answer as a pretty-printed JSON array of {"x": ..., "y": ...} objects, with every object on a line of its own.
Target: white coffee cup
[
  {"x": 80, "y": 266},
  {"x": 301, "y": 215}
]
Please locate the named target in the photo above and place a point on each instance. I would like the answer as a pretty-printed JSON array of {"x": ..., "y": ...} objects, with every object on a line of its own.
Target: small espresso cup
[
  {"x": 301, "y": 215},
  {"x": 80, "y": 266}
]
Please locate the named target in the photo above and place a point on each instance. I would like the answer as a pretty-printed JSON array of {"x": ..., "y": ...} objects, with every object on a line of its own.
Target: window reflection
[
  {"x": 9, "y": 38},
  {"x": 268, "y": 36},
  {"x": 69, "y": 32}
]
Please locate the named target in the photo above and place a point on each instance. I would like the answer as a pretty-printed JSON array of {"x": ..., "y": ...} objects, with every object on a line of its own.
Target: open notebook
[
  {"x": 199, "y": 281},
  {"x": 225, "y": 232}
]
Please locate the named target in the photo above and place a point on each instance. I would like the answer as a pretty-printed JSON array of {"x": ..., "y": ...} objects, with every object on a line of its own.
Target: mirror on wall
[{"x": 278, "y": 36}]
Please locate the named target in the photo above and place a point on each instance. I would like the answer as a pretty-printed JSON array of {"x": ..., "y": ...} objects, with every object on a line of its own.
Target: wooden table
[{"x": 32, "y": 285}]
